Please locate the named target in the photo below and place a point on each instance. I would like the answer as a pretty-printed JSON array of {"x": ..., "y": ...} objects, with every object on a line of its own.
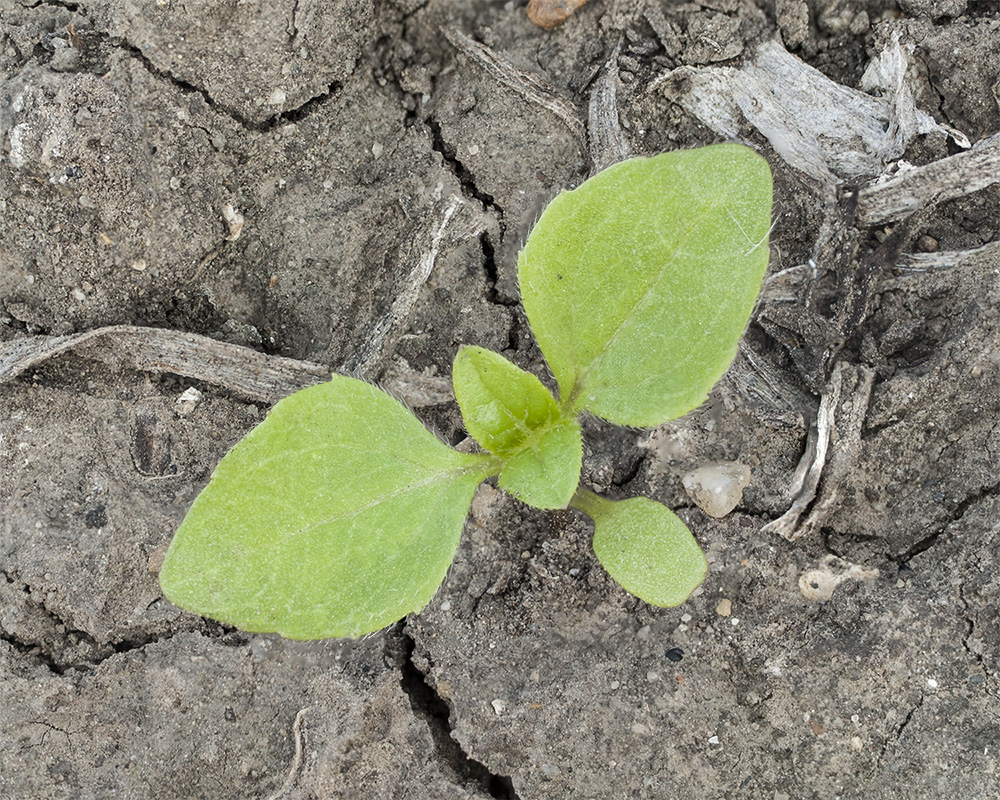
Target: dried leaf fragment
[{"x": 550, "y": 13}]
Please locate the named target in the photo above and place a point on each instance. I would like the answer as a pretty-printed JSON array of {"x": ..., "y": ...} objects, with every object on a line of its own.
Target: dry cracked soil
[{"x": 204, "y": 205}]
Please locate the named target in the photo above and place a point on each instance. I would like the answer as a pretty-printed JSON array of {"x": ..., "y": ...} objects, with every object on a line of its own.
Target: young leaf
[
  {"x": 545, "y": 473},
  {"x": 639, "y": 284},
  {"x": 336, "y": 516},
  {"x": 645, "y": 547},
  {"x": 502, "y": 405}
]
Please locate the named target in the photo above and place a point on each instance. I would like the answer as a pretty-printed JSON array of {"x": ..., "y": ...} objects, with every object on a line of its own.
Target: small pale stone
[
  {"x": 725, "y": 607},
  {"x": 234, "y": 221},
  {"x": 717, "y": 488},
  {"x": 188, "y": 400}
]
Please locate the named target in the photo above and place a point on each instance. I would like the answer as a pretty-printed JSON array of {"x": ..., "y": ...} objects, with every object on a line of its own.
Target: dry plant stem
[
  {"x": 550, "y": 13},
  {"x": 607, "y": 140},
  {"x": 834, "y": 439},
  {"x": 388, "y": 329},
  {"x": 845, "y": 443},
  {"x": 915, "y": 263},
  {"x": 755, "y": 377},
  {"x": 251, "y": 374},
  {"x": 918, "y": 187},
  {"x": 293, "y": 771},
  {"x": 529, "y": 86}
]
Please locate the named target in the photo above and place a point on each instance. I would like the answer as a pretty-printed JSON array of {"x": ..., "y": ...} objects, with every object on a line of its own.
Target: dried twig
[
  {"x": 296, "y": 759},
  {"x": 387, "y": 329},
  {"x": 239, "y": 369},
  {"x": 917, "y": 187},
  {"x": 607, "y": 140},
  {"x": 831, "y": 451}
]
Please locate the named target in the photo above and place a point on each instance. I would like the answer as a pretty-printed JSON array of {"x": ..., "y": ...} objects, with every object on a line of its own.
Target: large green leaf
[
  {"x": 502, "y": 405},
  {"x": 639, "y": 284},
  {"x": 645, "y": 547},
  {"x": 336, "y": 516}
]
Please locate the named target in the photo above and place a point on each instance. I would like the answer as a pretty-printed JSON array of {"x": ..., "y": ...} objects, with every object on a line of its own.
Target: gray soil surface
[{"x": 273, "y": 175}]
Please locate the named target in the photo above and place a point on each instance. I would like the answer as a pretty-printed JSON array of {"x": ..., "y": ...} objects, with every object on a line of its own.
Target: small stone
[
  {"x": 188, "y": 400},
  {"x": 927, "y": 244},
  {"x": 725, "y": 607},
  {"x": 717, "y": 488},
  {"x": 234, "y": 221},
  {"x": 499, "y": 706}
]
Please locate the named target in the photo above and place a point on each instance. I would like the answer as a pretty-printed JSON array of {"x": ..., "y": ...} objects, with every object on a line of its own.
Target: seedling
[{"x": 341, "y": 512}]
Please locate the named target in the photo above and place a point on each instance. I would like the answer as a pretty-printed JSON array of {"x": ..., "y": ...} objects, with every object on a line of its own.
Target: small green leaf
[
  {"x": 336, "y": 516},
  {"x": 502, "y": 405},
  {"x": 639, "y": 284},
  {"x": 545, "y": 473},
  {"x": 645, "y": 547}
]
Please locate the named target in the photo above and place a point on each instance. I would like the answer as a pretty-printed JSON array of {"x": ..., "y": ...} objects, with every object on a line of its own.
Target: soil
[{"x": 352, "y": 140}]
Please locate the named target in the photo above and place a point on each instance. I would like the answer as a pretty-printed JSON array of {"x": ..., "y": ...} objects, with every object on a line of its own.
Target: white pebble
[{"x": 718, "y": 488}]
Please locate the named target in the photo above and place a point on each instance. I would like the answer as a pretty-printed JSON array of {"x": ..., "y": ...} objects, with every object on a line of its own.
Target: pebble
[{"x": 718, "y": 488}]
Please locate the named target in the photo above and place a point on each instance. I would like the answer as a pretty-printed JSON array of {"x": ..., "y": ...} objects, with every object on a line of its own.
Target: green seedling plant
[{"x": 340, "y": 513}]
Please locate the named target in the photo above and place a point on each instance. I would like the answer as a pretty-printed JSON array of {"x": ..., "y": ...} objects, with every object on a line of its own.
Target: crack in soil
[
  {"x": 907, "y": 718},
  {"x": 293, "y": 115},
  {"x": 899, "y": 732},
  {"x": 960, "y": 511},
  {"x": 428, "y": 705},
  {"x": 450, "y": 155},
  {"x": 61, "y": 648},
  {"x": 970, "y": 629}
]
